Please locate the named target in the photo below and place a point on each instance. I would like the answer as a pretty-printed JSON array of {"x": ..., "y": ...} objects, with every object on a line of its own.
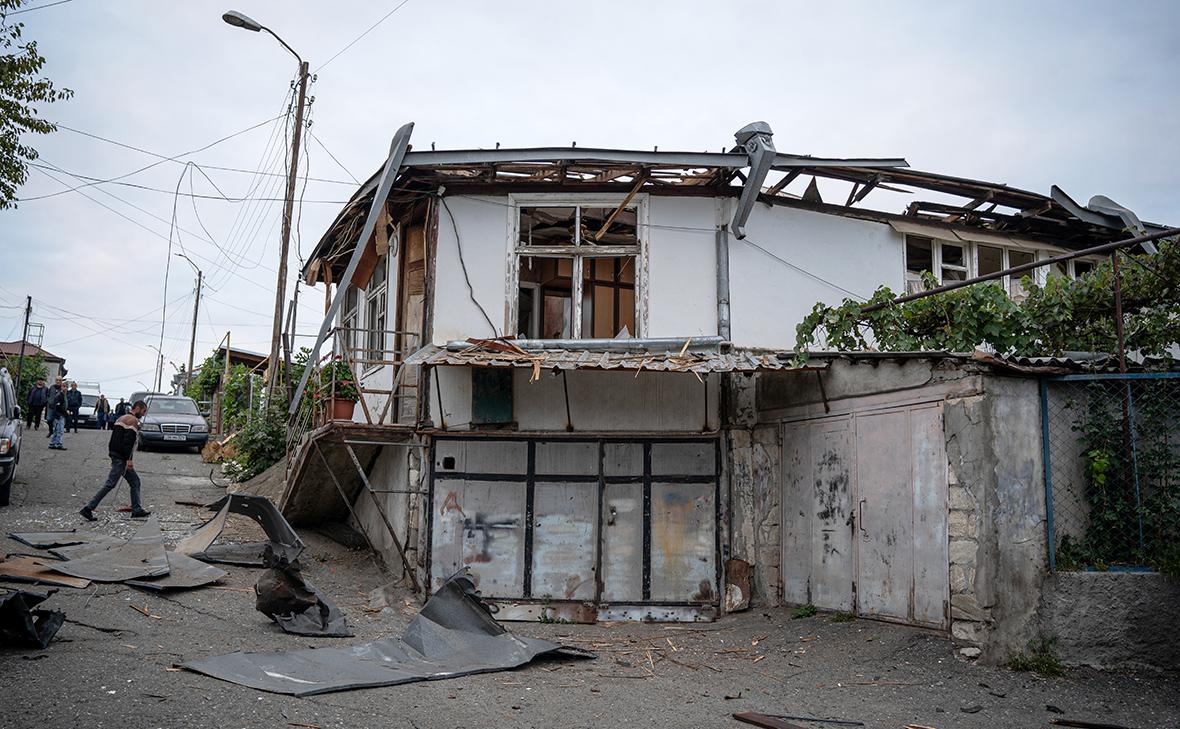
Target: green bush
[
  {"x": 261, "y": 443},
  {"x": 804, "y": 611}
]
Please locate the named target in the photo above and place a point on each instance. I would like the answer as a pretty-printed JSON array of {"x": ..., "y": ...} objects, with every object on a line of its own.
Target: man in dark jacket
[
  {"x": 74, "y": 405},
  {"x": 121, "y": 449},
  {"x": 38, "y": 399},
  {"x": 58, "y": 407}
]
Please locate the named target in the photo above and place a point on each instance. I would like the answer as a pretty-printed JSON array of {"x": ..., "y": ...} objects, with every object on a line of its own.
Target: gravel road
[{"x": 110, "y": 665}]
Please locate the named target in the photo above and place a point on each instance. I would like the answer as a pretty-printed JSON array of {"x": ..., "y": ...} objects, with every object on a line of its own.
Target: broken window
[
  {"x": 349, "y": 320},
  {"x": 919, "y": 257},
  {"x": 1018, "y": 258},
  {"x": 576, "y": 271},
  {"x": 990, "y": 259},
  {"x": 954, "y": 262},
  {"x": 1081, "y": 268}
]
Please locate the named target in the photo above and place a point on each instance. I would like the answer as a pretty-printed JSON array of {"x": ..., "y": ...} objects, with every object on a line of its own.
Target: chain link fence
[{"x": 1112, "y": 471}]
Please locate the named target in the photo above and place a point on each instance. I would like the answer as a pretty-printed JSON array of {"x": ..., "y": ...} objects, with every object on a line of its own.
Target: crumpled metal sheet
[
  {"x": 282, "y": 538},
  {"x": 141, "y": 556},
  {"x": 184, "y": 573},
  {"x": 283, "y": 595},
  {"x": 453, "y": 635},
  {"x": 22, "y": 625},
  {"x": 49, "y": 540}
]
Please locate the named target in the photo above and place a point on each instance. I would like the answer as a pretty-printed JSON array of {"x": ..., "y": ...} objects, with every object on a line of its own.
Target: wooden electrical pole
[
  {"x": 288, "y": 210},
  {"x": 192, "y": 344},
  {"x": 24, "y": 336}
]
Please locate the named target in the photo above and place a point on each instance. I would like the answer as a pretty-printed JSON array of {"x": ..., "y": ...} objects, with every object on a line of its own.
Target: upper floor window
[
  {"x": 575, "y": 269},
  {"x": 375, "y": 314},
  {"x": 350, "y": 320},
  {"x": 957, "y": 261}
]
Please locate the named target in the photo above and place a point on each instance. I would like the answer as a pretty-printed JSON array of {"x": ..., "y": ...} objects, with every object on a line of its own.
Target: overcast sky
[{"x": 1080, "y": 94}]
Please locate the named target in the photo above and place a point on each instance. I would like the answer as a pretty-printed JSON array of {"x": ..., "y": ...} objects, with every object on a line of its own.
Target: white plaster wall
[
  {"x": 768, "y": 299},
  {"x": 483, "y": 231},
  {"x": 682, "y": 267},
  {"x": 600, "y": 401}
]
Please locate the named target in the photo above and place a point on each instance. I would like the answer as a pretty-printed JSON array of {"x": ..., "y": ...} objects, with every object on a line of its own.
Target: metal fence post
[
  {"x": 1135, "y": 466},
  {"x": 1045, "y": 456}
]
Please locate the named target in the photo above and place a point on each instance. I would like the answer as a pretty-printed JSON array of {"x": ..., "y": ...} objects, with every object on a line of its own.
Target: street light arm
[
  {"x": 284, "y": 44},
  {"x": 190, "y": 262}
]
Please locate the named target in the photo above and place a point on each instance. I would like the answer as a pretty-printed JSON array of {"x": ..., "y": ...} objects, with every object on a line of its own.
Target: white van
[{"x": 90, "y": 392}]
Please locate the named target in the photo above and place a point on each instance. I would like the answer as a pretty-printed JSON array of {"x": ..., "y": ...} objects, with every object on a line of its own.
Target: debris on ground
[
  {"x": 454, "y": 635},
  {"x": 283, "y": 595},
  {"x": 24, "y": 625},
  {"x": 23, "y": 568},
  {"x": 281, "y": 538},
  {"x": 1085, "y": 724},
  {"x": 737, "y": 585},
  {"x": 141, "y": 556}
]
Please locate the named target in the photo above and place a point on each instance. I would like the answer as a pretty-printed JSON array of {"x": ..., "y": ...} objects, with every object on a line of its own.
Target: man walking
[
  {"x": 121, "y": 449},
  {"x": 102, "y": 409},
  {"x": 58, "y": 407},
  {"x": 120, "y": 409},
  {"x": 38, "y": 398},
  {"x": 74, "y": 404}
]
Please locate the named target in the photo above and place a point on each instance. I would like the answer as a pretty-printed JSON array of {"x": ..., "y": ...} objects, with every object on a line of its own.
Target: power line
[
  {"x": 154, "y": 164},
  {"x": 362, "y": 35},
  {"x": 338, "y": 162},
  {"x": 38, "y": 7},
  {"x": 219, "y": 168}
]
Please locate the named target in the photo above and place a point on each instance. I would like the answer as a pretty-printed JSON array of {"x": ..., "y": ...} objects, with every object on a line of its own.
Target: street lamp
[
  {"x": 192, "y": 344},
  {"x": 238, "y": 20}
]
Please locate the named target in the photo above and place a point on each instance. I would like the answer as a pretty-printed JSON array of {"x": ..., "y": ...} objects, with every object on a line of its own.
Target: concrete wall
[
  {"x": 768, "y": 299},
  {"x": 397, "y": 468},
  {"x": 599, "y": 401},
  {"x": 1113, "y": 619},
  {"x": 996, "y": 528}
]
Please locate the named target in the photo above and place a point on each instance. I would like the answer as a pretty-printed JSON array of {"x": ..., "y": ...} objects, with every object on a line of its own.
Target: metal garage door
[
  {"x": 864, "y": 514},
  {"x": 581, "y": 528}
]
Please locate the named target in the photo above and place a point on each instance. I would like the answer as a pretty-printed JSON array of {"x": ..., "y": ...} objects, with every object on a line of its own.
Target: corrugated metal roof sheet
[{"x": 564, "y": 359}]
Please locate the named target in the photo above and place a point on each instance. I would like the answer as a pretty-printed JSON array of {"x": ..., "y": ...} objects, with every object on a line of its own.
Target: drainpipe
[{"x": 723, "y": 327}]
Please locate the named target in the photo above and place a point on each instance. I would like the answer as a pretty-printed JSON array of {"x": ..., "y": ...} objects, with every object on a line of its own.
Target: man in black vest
[{"x": 121, "y": 449}]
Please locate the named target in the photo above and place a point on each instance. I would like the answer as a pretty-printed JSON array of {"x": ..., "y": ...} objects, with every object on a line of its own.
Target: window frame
[
  {"x": 380, "y": 297},
  {"x": 577, "y": 253},
  {"x": 971, "y": 257}
]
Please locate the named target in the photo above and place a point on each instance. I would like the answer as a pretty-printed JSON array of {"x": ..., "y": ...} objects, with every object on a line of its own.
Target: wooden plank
[
  {"x": 762, "y": 720},
  {"x": 20, "y": 568}
]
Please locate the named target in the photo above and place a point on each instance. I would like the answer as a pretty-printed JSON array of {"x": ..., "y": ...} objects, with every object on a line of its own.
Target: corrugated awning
[{"x": 565, "y": 359}]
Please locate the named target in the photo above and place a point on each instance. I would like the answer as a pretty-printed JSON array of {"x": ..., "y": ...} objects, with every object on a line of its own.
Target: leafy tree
[
  {"x": 1062, "y": 315},
  {"x": 32, "y": 369},
  {"x": 21, "y": 88}
]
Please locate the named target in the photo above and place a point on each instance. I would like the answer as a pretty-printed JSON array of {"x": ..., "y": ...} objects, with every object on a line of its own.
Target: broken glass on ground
[{"x": 453, "y": 635}]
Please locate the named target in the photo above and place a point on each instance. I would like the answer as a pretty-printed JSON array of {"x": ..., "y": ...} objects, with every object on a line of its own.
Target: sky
[{"x": 1079, "y": 94}]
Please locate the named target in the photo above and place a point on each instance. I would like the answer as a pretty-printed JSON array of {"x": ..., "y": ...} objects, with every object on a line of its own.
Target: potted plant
[{"x": 338, "y": 389}]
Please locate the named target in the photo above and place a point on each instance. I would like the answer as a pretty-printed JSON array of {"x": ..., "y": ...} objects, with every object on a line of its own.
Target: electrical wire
[
  {"x": 338, "y": 162},
  {"x": 37, "y": 7},
  {"x": 362, "y": 35},
  {"x": 154, "y": 164}
]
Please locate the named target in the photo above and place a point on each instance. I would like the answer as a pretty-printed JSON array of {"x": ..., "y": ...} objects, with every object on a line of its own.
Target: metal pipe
[
  {"x": 723, "y": 320},
  {"x": 1104, "y": 248},
  {"x": 606, "y": 345}
]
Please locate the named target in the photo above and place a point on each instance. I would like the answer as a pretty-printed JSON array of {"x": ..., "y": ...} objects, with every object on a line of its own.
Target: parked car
[
  {"x": 10, "y": 434},
  {"x": 172, "y": 421}
]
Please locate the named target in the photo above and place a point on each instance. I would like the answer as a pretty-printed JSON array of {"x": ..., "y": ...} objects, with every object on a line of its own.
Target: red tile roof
[{"x": 13, "y": 349}]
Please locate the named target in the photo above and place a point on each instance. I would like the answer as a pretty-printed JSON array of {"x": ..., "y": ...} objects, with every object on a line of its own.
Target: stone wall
[{"x": 1112, "y": 619}]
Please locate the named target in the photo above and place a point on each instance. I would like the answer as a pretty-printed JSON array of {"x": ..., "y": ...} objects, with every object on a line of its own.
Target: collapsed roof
[{"x": 754, "y": 170}]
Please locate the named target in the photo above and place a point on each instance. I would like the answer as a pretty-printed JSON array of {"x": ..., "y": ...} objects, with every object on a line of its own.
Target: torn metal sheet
[
  {"x": 22, "y": 625},
  {"x": 141, "y": 556},
  {"x": 22, "y": 568},
  {"x": 184, "y": 573},
  {"x": 453, "y": 635},
  {"x": 282, "y": 538},
  {"x": 283, "y": 595},
  {"x": 49, "y": 540}
]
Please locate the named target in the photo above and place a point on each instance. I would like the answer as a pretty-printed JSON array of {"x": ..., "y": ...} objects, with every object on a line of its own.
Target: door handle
[{"x": 860, "y": 518}]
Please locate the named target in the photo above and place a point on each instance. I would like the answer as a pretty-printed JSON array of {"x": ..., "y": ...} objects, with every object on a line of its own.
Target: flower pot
[{"x": 341, "y": 409}]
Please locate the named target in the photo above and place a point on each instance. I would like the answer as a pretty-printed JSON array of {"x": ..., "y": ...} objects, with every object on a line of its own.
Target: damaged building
[{"x": 573, "y": 376}]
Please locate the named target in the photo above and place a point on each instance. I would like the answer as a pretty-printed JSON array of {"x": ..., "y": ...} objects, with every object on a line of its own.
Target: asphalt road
[{"x": 110, "y": 665}]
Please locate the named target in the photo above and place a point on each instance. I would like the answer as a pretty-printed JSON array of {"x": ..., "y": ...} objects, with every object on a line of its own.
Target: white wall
[
  {"x": 682, "y": 267},
  {"x": 768, "y": 299},
  {"x": 483, "y": 231},
  {"x": 600, "y": 401}
]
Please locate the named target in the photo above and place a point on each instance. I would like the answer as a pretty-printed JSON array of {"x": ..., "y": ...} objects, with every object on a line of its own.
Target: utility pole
[
  {"x": 288, "y": 210},
  {"x": 24, "y": 335},
  {"x": 192, "y": 344}
]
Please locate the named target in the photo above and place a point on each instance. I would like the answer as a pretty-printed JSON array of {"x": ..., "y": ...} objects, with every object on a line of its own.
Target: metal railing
[
  {"x": 367, "y": 364},
  {"x": 1111, "y": 448}
]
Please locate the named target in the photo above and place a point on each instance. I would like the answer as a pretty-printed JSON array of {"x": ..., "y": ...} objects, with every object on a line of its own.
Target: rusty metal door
[
  {"x": 864, "y": 514},
  {"x": 580, "y": 527}
]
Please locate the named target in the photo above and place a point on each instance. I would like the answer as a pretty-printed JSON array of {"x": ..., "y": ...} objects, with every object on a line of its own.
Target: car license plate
[{"x": 169, "y": 436}]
